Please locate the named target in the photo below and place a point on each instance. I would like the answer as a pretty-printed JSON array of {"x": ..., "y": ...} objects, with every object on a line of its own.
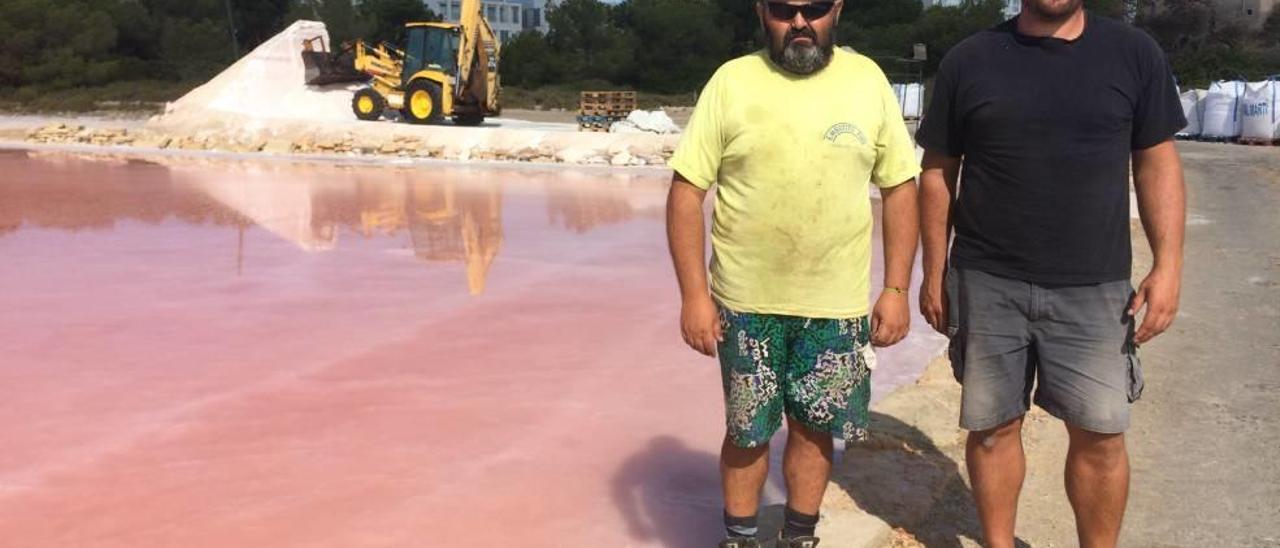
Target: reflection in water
[
  {"x": 283, "y": 208},
  {"x": 446, "y": 227},
  {"x": 581, "y": 203},
  {"x": 456, "y": 216}
]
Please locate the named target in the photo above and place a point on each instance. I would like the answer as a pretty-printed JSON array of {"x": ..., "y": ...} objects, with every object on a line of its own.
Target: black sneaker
[
  {"x": 798, "y": 542},
  {"x": 740, "y": 542}
]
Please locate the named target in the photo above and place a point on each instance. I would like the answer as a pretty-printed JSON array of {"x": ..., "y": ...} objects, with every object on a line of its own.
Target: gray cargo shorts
[{"x": 1073, "y": 343}]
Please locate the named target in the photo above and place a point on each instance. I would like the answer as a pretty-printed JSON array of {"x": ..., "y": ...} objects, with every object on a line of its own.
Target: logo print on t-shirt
[{"x": 844, "y": 134}]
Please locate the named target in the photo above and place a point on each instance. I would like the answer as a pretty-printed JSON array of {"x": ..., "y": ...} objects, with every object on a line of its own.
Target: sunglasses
[{"x": 811, "y": 11}]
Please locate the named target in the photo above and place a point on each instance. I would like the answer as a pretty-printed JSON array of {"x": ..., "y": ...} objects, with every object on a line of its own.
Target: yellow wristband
[{"x": 897, "y": 290}]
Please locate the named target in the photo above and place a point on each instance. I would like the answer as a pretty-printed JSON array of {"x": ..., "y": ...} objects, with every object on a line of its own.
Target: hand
[
  {"x": 890, "y": 320},
  {"x": 1159, "y": 292},
  {"x": 700, "y": 325},
  {"x": 933, "y": 303}
]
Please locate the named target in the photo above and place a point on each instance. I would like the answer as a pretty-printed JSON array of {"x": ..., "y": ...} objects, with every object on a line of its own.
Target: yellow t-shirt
[{"x": 793, "y": 156}]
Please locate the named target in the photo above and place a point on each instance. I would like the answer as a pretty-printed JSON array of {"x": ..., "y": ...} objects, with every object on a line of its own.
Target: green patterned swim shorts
[{"x": 813, "y": 369}]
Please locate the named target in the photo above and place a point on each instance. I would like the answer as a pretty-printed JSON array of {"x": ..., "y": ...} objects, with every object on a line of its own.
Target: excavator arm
[{"x": 478, "y": 53}]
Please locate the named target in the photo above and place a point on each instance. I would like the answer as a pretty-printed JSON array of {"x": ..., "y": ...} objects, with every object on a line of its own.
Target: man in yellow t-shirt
[{"x": 793, "y": 137}]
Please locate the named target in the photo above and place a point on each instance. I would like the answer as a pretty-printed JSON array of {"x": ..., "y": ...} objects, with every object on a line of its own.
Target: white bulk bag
[
  {"x": 1222, "y": 118},
  {"x": 912, "y": 100},
  {"x": 1193, "y": 110},
  {"x": 1258, "y": 109}
]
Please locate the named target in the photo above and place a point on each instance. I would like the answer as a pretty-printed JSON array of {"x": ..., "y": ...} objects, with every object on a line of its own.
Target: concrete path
[{"x": 1205, "y": 440}]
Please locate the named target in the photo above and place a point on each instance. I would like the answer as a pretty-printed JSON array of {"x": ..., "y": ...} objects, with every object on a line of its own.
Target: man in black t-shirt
[{"x": 1043, "y": 115}]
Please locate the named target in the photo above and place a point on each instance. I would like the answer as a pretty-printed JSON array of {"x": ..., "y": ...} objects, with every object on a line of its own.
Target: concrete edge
[{"x": 337, "y": 159}]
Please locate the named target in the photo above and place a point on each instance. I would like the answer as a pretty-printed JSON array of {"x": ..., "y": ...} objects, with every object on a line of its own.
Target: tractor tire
[
  {"x": 368, "y": 105},
  {"x": 422, "y": 103},
  {"x": 468, "y": 119}
]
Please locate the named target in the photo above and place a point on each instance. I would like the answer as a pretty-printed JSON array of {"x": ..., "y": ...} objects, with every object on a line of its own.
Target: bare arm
[
  {"x": 937, "y": 191},
  {"x": 891, "y": 319},
  {"x": 686, "y": 237},
  {"x": 1162, "y": 204}
]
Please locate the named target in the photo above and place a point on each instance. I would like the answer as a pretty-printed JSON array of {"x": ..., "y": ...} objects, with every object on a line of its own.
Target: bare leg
[
  {"x": 807, "y": 467},
  {"x": 1097, "y": 479},
  {"x": 996, "y": 469},
  {"x": 743, "y": 473}
]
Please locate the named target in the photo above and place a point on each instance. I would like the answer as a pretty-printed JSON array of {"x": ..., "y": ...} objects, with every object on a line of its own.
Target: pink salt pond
[{"x": 216, "y": 353}]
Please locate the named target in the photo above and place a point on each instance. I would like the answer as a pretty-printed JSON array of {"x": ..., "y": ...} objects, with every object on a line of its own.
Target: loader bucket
[{"x": 324, "y": 68}]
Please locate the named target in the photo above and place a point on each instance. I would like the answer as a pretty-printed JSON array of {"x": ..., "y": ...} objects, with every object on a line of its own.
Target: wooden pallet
[
  {"x": 608, "y": 106},
  {"x": 608, "y": 95},
  {"x": 607, "y": 103},
  {"x": 1259, "y": 142},
  {"x": 1204, "y": 139}
]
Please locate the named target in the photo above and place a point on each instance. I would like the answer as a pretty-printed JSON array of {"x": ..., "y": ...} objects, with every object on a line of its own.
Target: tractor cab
[{"x": 430, "y": 46}]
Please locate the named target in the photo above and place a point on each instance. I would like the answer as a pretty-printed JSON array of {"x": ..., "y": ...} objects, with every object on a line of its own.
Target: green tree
[
  {"x": 1271, "y": 29},
  {"x": 56, "y": 44},
  {"x": 385, "y": 19},
  {"x": 683, "y": 43},
  {"x": 941, "y": 28},
  {"x": 880, "y": 13},
  {"x": 258, "y": 20},
  {"x": 740, "y": 18},
  {"x": 1203, "y": 48},
  {"x": 344, "y": 21},
  {"x": 587, "y": 42},
  {"x": 1106, "y": 8},
  {"x": 193, "y": 50},
  {"x": 527, "y": 60}
]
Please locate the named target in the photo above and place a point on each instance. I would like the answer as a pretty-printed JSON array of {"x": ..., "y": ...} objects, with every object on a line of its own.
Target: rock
[
  {"x": 525, "y": 154},
  {"x": 621, "y": 159},
  {"x": 152, "y": 142},
  {"x": 576, "y": 155},
  {"x": 277, "y": 146},
  {"x": 255, "y": 145}
]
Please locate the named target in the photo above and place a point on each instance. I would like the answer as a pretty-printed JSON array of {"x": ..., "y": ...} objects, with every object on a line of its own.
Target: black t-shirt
[{"x": 1046, "y": 127}]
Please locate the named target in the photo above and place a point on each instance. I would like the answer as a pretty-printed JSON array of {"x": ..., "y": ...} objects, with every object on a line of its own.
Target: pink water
[{"x": 270, "y": 354}]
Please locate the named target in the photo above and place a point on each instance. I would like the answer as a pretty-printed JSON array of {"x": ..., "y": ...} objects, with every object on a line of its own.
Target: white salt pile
[
  {"x": 655, "y": 121},
  {"x": 263, "y": 91}
]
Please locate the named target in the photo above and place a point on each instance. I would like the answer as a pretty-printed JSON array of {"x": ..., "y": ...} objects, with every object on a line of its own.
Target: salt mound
[
  {"x": 639, "y": 121},
  {"x": 263, "y": 92}
]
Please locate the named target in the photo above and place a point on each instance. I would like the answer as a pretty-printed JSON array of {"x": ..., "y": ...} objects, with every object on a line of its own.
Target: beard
[
  {"x": 1045, "y": 9},
  {"x": 802, "y": 59}
]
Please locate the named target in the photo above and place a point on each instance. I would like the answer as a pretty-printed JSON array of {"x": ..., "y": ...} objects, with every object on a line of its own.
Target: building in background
[
  {"x": 1253, "y": 13},
  {"x": 507, "y": 17}
]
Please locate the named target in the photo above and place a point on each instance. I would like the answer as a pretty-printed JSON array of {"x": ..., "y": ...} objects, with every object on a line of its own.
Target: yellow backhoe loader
[{"x": 440, "y": 70}]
